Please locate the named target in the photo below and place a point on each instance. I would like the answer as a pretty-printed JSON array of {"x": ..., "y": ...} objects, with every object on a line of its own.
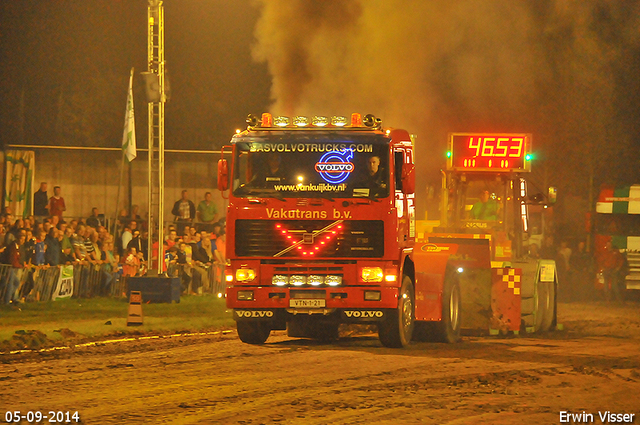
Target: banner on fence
[{"x": 64, "y": 288}]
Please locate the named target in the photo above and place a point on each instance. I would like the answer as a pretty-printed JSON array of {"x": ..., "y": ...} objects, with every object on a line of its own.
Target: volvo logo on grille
[
  {"x": 363, "y": 313},
  {"x": 254, "y": 314}
]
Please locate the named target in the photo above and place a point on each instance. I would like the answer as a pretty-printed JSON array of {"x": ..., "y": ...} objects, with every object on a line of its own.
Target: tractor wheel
[
  {"x": 546, "y": 301},
  {"x": 396, "y": 329},
  {"x": 541, "y": 302}
]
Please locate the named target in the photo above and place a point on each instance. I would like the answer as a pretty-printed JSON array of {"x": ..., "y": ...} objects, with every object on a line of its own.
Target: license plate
[{"x": 307, "y": 303}]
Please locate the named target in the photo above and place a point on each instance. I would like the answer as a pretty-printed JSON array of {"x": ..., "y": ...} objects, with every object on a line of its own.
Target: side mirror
[
  {"x": 408, "y": 178},
  {"x": 223, "y": 175}
]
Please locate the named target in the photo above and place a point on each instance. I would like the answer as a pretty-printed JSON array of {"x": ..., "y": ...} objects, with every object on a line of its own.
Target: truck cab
[{"x": 320, "y": 225}]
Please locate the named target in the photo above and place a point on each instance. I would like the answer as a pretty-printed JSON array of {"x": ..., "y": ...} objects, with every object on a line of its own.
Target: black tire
[
  {"x": 253, "y": 332},
  {"x": 546, "y": 304},
  {"x": 396, "y": 330},
  {"x": 448, "y": 329},
  {"x": 541, "y": 303}
]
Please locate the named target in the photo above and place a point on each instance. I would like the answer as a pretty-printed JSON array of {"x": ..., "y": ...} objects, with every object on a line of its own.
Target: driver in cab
[
  {"x": 271, "y": 172},
  {"x": 485, "y": 209},
  {"x": 373, "y": 177}
]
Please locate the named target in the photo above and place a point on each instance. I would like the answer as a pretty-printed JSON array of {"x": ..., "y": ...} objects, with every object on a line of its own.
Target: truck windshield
[
  {"x": 484, "y": 200},
  {"x": 312, "y": 166}
]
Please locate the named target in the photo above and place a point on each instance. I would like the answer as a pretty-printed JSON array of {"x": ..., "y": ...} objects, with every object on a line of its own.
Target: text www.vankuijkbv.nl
[{"x": 322, "y": 187}]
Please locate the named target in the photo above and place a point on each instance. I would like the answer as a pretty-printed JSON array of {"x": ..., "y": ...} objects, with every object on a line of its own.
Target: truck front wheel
[
  {"x": 396, "y": 329},
  {"x": 253, "y": 332}
]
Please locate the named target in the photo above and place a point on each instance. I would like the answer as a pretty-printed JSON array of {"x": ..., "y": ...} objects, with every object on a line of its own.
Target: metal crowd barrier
[
  {"x": 44, "y": 283},
  {"x": 38, "y": 283}
]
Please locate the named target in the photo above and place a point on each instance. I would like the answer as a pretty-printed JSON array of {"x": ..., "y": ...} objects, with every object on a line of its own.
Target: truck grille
[{"x": 270, "y": 238}]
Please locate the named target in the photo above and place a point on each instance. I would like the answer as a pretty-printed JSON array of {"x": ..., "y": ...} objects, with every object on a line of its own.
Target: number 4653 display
[{"x": 489, "y": 152}]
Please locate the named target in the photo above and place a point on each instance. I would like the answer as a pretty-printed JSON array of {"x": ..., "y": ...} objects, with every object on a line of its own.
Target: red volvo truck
[{"x": 321, "y": 231}]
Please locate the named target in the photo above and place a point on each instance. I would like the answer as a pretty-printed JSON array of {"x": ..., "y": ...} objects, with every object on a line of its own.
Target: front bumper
[{"x": 335, "y": 298}]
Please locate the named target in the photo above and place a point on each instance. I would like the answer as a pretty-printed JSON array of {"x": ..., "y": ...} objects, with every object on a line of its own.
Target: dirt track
[{"x": 593, "y": 365}]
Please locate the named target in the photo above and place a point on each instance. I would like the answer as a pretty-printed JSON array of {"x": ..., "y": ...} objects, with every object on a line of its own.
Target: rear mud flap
[{"x": 276, "y": 317}]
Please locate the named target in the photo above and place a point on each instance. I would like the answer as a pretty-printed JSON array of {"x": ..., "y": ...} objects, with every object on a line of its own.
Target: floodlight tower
[{"x": 156, "y": 69}]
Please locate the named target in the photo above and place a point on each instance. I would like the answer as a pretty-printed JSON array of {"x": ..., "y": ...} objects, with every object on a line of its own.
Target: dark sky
[
  {"x": 566, "y": 71},
  {"x": 66, "y": 63}
]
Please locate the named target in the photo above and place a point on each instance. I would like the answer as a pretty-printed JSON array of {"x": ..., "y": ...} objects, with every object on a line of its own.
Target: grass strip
[{"x": 94, "y": 317}]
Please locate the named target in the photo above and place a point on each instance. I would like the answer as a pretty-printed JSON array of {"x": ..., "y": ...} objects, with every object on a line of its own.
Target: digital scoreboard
[{"x": 489, "y": 152}]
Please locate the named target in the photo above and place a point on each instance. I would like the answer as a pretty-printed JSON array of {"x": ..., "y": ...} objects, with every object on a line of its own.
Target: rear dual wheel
[{"x": 396, "y": 330}]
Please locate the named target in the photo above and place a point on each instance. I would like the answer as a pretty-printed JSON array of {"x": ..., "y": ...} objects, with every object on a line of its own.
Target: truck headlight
[
  {"x": 315, "y": 280},
  {"x": 279, "y": 280},
  {"x": 245, "y": 275},
  {"x": 298, "y": 280},
  {"x": 332, "y": 280},
  {"x": 372, "y": 274}
]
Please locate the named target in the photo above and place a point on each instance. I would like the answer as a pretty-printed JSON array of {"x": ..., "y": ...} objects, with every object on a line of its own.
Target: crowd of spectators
[
  {"x": 193, "y": 254},
  {"x": 576, "y": 269},
  {"x": 45, "y": 240},
  {"x": 29, "y": 243}
]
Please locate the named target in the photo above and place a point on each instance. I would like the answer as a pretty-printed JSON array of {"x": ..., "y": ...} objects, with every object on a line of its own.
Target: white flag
[{"x": 129, "y": 136}]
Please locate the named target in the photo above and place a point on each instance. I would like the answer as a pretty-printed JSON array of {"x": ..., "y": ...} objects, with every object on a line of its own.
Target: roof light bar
[
  {"x": 281, "y": 121},
  {"x": 300, "y": 121},
  {"x": 338, "y": 121},
  {"x": 319, "y": 121},
  {"x": 266, "y": 120}
]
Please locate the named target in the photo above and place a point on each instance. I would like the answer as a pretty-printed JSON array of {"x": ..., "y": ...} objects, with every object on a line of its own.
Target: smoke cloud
[{"x": 558, "y": 69}]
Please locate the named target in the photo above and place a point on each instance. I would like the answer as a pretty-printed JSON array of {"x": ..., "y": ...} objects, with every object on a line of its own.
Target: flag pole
[
  {"x": 128, "y": 145},
  {"x": 115, "y": 221}
]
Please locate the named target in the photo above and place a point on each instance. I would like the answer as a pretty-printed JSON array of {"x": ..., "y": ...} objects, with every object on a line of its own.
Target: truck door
[{"x": 404, "y": 203}]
